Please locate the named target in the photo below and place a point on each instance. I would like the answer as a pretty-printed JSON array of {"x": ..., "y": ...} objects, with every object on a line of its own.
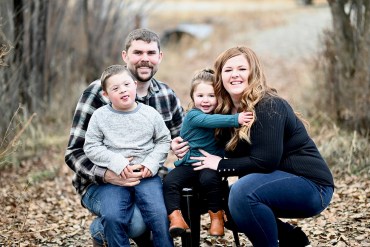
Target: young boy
[{"x": 129, "y": 137}]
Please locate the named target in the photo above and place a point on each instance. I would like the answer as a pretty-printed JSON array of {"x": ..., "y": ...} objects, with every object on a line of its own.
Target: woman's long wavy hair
[{"x": 252, "y": 94}]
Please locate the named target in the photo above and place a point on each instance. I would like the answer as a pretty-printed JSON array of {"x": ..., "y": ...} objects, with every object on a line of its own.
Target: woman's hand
[
  {"x": 209, "y": 161},
  {"x": 179, "y": 147}
]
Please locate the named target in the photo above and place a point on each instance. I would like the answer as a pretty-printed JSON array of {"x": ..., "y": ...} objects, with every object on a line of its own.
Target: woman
[{"x": 281, "y": 172}]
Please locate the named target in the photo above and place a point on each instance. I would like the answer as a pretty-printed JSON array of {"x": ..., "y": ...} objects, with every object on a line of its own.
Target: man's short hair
[{"x": 144, "y": 35}]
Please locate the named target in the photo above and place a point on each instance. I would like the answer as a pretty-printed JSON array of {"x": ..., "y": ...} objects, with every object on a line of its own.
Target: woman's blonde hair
[
  {"x": 206, "y": 76},
  {"x": 252, "y": 94}
]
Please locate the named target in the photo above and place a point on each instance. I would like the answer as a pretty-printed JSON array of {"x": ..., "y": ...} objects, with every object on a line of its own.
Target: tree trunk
[
  {"x": 349, "y": 64},
  {"x": 37, "y": 47},
  {"x": 19, "y": 55}
]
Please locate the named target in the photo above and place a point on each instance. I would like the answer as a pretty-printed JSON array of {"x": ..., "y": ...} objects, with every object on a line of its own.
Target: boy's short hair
[
  {"x": 110, "y": 71},
  {"x": 144, "y": 35}
]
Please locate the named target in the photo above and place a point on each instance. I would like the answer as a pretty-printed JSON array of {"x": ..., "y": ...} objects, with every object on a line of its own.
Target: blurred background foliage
[{"x": 51, "y": 50}]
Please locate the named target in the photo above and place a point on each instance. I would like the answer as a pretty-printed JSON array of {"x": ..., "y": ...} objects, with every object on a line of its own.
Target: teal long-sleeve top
[{"x": 198, "y": 129}]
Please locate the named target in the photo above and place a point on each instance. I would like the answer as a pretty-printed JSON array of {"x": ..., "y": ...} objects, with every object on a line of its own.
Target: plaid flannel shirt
[{"x": 160, "y": 97}]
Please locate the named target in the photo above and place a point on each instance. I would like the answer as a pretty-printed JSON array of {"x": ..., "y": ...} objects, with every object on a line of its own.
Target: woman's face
[{"x": 235, "y": 75}]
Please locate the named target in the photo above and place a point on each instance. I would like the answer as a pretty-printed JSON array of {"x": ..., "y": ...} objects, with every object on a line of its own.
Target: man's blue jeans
[
  {"x": 136, "y": 227},
  {"x": 115, "y": 207},
  {"x": 257, "y": 199}
]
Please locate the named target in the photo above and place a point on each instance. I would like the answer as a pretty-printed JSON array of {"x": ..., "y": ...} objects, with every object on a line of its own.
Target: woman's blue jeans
[
  {"x": 115, "y": 207},
  {"x": 257, "y": 199}
]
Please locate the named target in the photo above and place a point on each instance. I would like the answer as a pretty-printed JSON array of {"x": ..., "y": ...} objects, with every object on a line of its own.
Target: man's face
[{"x": 142, "y": 59}]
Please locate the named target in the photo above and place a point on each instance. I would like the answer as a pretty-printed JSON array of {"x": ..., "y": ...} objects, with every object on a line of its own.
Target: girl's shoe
[
  {"x": 178, "y": 225},
  {"x": 217, "y": 223}
]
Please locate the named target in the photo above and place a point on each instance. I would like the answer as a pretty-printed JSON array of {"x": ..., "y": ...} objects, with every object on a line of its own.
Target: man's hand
[
  {"x": 179, "y": 147},
  {"x": 112, "y": 178}
]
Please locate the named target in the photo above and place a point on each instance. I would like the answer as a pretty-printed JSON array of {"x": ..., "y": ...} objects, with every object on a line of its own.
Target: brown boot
[
  {"x": 217, "y": 223},
  {"x": 177, "y": 224}
]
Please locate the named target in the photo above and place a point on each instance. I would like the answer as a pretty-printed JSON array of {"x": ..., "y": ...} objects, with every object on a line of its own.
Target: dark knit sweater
[{"x": 279, "y": 142}]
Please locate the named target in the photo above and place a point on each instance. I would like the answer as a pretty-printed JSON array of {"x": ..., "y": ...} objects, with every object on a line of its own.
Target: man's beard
[{"x": 147, "y": 77}]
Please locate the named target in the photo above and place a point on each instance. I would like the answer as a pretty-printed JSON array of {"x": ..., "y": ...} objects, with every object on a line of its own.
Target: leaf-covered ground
[{"x": 39, "y": 207}]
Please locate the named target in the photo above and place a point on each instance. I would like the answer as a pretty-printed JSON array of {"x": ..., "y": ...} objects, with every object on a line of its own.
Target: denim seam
[{"x": 322, "y": 199}]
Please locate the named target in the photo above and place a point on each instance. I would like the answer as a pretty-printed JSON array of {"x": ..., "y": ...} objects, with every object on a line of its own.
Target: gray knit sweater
[{"x": 113, "y": 136}]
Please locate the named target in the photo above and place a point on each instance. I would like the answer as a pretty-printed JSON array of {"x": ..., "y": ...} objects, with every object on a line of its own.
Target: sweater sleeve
[
  {"x": 162, "y": 141},
  {"x": 97, "y": 152},
  {"x": 267, "y": 137},
  {"x": 199, "y": 119}
]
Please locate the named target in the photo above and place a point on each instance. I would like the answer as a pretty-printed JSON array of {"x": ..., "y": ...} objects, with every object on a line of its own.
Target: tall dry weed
[
  {"x": 345, "y": 151},
  {"x": 11, "y": 141}
]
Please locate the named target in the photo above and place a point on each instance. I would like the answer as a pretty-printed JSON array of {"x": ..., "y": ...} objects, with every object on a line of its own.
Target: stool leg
[
  {"x": 236, "y": 238},
  {"x": 191, "y": 214}
]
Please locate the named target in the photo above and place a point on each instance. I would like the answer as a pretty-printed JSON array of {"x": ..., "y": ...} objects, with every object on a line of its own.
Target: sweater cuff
[
  {"x": 99, "y": 173},
  {"x": 236, "y": 120},
  {"x": 224, "y": 170}
]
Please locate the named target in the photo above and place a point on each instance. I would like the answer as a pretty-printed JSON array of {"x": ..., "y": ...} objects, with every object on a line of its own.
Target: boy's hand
[
  {"x": 146, "y": 173},
  {"x": 245, "y": 118},
  {"x": 132, "y": 171},
  {"x": 112, "y": 178},
  {"x": 135, "y": 170}
]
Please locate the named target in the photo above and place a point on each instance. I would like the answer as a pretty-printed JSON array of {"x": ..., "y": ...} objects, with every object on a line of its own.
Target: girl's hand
[
  {"x": 209, "y": 161},
  {"x": 245, "y": 118},
  {"x": 179, "y": 147}
]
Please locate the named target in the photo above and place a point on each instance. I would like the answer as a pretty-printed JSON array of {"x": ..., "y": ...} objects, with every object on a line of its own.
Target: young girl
[{"x": 198, "y": 130}]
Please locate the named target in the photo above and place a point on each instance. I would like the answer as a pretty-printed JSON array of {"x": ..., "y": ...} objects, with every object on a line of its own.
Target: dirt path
[
  {"x": 288, "y": 49},
  {"x": 297, "y": 38},
  {"x": 216, "y": 6}
]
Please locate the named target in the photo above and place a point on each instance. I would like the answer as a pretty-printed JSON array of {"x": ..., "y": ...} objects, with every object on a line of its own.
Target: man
[{"x": 142, "y": 56}]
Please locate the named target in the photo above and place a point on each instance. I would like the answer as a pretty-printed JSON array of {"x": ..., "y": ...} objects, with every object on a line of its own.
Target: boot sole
[
  {"x": 216, "y": 235},
  {"x": 177, "y": 232}
]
